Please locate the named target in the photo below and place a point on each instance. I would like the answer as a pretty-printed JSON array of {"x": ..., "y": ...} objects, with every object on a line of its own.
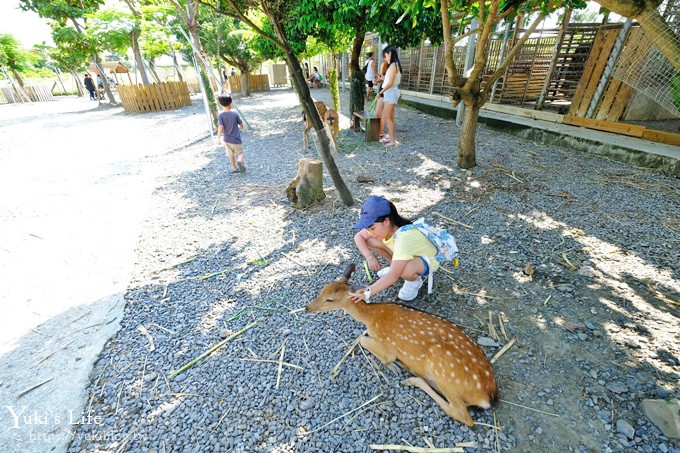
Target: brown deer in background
[
  {"x": 329, "y": 116},
  {"x": 445, "y": 360}
]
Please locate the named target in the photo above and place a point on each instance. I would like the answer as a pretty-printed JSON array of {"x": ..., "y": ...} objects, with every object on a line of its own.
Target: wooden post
[
  {"x": 611, "y": 63},
  {"x": 307, "y": 187},
  {"x": 434, "y": 68}
]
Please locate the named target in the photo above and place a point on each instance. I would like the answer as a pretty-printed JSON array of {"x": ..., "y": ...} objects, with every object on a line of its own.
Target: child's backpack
[{"x": 447, "y": 250}]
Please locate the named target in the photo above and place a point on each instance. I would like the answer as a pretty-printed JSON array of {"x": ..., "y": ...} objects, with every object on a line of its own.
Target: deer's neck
[{"x": 360, "y": 311}]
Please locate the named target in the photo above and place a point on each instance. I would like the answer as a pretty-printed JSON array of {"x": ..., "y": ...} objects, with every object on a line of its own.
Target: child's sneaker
[
  {"x": 241, "y": 166},
  {"x": 410, "y": 289},
  {"x": 382, "y": 272}
]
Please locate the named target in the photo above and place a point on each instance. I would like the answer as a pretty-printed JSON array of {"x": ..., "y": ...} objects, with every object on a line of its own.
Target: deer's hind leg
[
  {"x": 456, "y": 409},
  {"x": 305, "y": 135},
  {"x": 385, "y": 355}
]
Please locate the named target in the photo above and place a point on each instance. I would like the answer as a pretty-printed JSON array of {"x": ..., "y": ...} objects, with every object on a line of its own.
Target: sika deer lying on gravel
[{"x": 447, "y": 362}]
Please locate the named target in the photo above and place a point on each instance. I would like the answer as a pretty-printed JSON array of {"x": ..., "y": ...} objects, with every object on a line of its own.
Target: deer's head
[{"x": 334, "y": 295}]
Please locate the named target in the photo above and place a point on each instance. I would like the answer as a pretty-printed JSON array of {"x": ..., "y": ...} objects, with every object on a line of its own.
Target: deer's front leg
[{"x": 386, "y": 355}]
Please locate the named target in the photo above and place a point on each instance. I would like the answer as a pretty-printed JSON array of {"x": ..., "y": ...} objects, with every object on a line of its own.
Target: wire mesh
[{"x": 643, "y": 66}]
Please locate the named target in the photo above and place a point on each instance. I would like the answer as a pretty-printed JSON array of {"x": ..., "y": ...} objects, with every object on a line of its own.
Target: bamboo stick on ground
[
  {"x": 278, "y": 373},
  {"x": 453, "y": 221},
  {"x": 336, "y": 369},
  {"x": 33, "y": 387},
  {"x": 211, "y": 350},
  {"x": 502, "y": 351}
]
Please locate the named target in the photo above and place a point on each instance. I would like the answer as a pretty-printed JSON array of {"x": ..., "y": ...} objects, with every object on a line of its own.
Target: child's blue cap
[{"x": 373, "y": 208}]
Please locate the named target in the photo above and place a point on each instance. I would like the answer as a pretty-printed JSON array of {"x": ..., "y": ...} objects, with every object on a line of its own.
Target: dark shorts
[
  {"x": 369, "y": 83},
  {"x": 426, "y": 269}
]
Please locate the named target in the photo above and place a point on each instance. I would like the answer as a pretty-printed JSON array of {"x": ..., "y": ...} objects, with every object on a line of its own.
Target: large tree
[
  {"x": 337, "y": 23},
  {"x": 134, "y": 32},
  {"x": 657, "y": 30},
  {"x": 233, "y": 43},
  {"x": 13, "y": 57},
  {"x": 474, "y": 90},
  {"x": 281, "y": 15},
  {"x": 63, "y": 11}
]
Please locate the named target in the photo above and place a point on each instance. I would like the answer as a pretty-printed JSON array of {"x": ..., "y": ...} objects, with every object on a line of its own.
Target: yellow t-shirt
[{"x": 412, "y": 243}]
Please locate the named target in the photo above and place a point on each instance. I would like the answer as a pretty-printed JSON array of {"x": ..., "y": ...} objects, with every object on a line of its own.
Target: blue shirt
[{"x": 230, "y": 121}]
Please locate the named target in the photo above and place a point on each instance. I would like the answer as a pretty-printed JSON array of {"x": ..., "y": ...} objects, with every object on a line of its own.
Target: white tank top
[
  {"x": 370, "y": 75},
  {"x": 397, "y": 79}
]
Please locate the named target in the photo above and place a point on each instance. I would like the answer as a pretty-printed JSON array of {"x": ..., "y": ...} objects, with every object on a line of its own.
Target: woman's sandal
[{"x": 391, "y": 144}]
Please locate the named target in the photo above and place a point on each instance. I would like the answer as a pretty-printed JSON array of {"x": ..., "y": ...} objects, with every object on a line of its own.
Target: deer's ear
[{"x": 349, "y": 272}]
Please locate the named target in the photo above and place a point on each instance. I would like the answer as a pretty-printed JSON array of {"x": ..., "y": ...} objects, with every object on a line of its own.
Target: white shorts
[{"x": 391, "y": 95}]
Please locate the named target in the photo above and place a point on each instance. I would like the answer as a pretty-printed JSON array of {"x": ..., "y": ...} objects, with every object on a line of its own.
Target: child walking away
[{"x": 228, "y": 124}]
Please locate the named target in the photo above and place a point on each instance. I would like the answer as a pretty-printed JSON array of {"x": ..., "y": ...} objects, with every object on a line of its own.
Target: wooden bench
[{"x": 371, "y": 124}]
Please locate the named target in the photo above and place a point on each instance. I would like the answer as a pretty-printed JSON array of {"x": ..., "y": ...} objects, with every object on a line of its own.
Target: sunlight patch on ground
[
  {"x": 612, "y": 268},
  {"x": 429, "y": 166}
]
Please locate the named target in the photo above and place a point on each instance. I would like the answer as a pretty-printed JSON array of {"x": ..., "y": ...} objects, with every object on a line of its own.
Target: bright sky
[{"x": 26, "y": 26}]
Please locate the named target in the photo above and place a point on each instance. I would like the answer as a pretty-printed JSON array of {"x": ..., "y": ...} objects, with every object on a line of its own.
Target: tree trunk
[
  {"x": 153, "y": 71},
  {"x": 210, "y": 95},
  {"x": 468, "y": 132},
  {"x": 18, "y": 77},
  {"x": 134, "y": 40},
  {"x": 245, "y": 83},
  {"x": 357, "y": 80},
  {"x": 176, "y": 63},
  {"x": 105, "y": 80},
  {"x": 79, "y": 85},
  {"x": 325, "y": 141},
  {"x": 663, "y": 36},
  {"x": 58, "y": 72}
]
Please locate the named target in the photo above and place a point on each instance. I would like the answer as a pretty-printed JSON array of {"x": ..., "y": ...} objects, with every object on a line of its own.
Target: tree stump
[{"x": 307, "y": 187}]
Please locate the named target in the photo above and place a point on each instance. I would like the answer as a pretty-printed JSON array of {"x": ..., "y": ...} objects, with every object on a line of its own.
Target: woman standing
[{"x": 390, "y": 91}]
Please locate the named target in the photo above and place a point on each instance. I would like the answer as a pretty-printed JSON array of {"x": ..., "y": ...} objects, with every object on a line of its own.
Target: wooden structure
[
  {"x": 565, "y": 71},
  {"x": 112, "y": 67},
  {"x": 154, "y": 97},
  {"x": 256, "y": 83},
  {"x": 38, "y": 93},
  {"x": 371, "y": 124}
]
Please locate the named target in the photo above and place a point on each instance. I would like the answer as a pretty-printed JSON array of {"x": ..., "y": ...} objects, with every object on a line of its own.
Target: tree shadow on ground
[{"x": 574, "y": 317}]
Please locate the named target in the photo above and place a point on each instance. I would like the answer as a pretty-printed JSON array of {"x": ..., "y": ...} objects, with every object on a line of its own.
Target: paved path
[{"x": 75, "y": 183}]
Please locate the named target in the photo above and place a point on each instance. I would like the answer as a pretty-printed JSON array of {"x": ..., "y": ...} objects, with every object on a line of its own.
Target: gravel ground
[{"x": 596, "y": 326}]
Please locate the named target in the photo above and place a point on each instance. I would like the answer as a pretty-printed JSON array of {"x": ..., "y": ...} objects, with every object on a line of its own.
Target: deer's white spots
[
  {"x": 475, "y": 377},
  {"x": 458, "y": 381},
  {"x": 487, "y": 372},
  {"x": 448, "y": 353},
  {"x": 466, "y": 368},
  {"x": 474, "y": 360},
  {"x": 479, "y": 385}
]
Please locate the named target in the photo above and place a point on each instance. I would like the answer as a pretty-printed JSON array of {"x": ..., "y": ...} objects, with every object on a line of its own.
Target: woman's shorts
[
  {"x": 426, "y": 270},
  {"x": 392, "y": 96}
]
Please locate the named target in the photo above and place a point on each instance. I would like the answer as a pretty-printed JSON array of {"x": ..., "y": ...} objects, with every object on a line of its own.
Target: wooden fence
[
  {"x": 155, "y": 97},
  {"x": 256, "y": 83},
  {"x": 38, "y": 93}
]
